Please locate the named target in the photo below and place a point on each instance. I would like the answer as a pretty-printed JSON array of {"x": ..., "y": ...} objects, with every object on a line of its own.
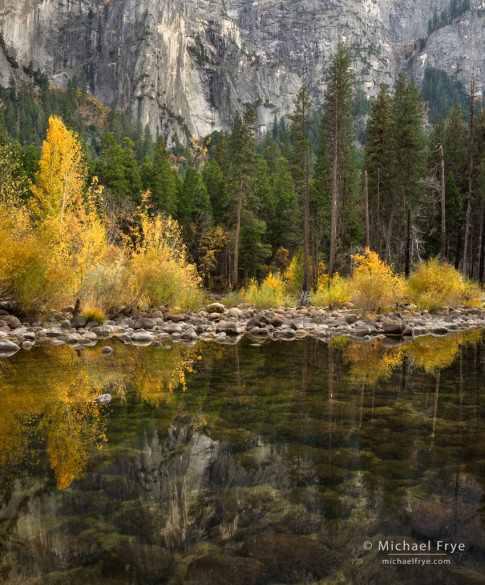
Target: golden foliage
[
  {"x": 93, "y": 314},
  {"x": 472, "y": 294},
  {"x": 158, "y": 272},
  {"x": 199, "y": 151},
  {"x": 13, "y": 188},
  {"x": 372, "y": 362},
  {"x": 57, "y": 250},
  {"x": 58, "y": 399},
  {"x": 436, "y": 284},
  {"x": 294, "y": 273},
  {"x": 435, "y": 353},
  {"x": 72, "y": 424},
  {"x": 270, "y": 294},
  {"x": 374, "y": 284},
  {"x": 334, "y": 294},
  {"x": 61, "y": 177},
  {"x": 212, "y": 244},
  {"x": 281, "y": 261}
]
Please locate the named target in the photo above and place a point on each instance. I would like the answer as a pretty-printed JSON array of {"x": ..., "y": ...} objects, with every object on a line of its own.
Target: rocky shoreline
[{"x": 227, "y": 326}]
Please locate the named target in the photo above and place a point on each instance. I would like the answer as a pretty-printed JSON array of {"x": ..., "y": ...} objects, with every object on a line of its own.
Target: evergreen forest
[{"x": 302, "y": 202}]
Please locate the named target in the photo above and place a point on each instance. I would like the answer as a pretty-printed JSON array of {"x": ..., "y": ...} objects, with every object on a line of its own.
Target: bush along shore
[{"x": 227, "y": 326}]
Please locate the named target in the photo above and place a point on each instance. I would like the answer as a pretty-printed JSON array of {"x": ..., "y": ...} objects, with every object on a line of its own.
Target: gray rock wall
[{"x": 186, "y": 66}]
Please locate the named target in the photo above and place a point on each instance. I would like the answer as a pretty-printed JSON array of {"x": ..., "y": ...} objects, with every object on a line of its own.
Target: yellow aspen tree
[
  {"x": 67, "y": 212},
  {"x": 62, "y": 175}
]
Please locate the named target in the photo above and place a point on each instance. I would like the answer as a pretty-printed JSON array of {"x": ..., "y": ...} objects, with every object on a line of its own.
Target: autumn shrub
[
  {"x": 233, "y": 299},
  {"x": 435, "y": 284},
  {"x": 104, "y": 284},
  {"x": 28, "y": 272},
  {"x": 374, "y": 284},
  {"x": 93, "y": 314},
  {"x": 473, "y": 294},
  {"x": 271, "y": 293},
  {"x": 157, "y": 272},
  {"x": 294, "y": 274},
  {"x": 333, "y": 295}
]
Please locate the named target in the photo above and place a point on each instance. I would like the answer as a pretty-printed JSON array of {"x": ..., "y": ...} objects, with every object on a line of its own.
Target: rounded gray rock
[{"x": 8, "y": 347}]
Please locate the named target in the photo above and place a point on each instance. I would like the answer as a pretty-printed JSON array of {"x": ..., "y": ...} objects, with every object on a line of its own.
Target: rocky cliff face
[{"x": 186, "y": 66}]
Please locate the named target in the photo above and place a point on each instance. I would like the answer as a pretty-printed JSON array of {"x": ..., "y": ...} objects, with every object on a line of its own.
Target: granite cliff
[{"x": 186, "y": 66}]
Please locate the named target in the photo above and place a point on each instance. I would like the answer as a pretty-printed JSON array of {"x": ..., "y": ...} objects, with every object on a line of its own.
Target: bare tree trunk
[
  {"x": 306, "y": 224},
  {"x": 378, "y": 231},
  {"x": 458, "y": 250},
  {"x": 389, "y": 234},
  {"x": 407, "y": 259},
  {"x": 333, "y": 223},
  {"x": 366, "y": 197},
  {"x": 443, "y": 205},
  {"x": 470, "y": 177},
  {"x": 238, "y": 231},
  {"x": 482, "y": 244}
]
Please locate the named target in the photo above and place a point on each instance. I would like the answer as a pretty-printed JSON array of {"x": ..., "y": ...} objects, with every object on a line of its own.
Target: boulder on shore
[
  {"x": 215, "y": 308},
  {"x": 392, "y": 326}
]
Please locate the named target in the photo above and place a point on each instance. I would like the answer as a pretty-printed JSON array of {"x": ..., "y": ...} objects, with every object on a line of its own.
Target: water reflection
[{"x": 270, "y": 464}]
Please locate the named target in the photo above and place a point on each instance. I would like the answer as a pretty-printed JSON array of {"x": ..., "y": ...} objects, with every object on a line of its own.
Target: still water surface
[{"x": 245, "y": 464}]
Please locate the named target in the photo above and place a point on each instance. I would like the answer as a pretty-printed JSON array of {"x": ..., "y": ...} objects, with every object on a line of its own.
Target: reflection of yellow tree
[
  {"x": 436, "y": 353},
  {"x": 152, "y": 374},
  {"x": 18, "y": 408},
  {"x": 59, "y": 396},
  {"x": 433, "y": 354},
  {"x": 371, "y": 362},
  {"x": 72, "y": 424}
]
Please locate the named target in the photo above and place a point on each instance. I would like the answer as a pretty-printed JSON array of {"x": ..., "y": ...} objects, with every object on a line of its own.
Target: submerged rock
[
  {"x": 137, "y": 563},
  {"x": 103, "y": 399},
  {"x": 218, "y": 569},
  {"x": 142, "y": 338},
  {"x": 289, "y": 558}
]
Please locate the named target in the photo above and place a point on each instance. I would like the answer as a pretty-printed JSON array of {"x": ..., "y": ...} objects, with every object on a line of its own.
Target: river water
[{"x": 288, "y": 462}]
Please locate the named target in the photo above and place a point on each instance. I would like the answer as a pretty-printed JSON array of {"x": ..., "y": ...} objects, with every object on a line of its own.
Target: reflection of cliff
[{"x": 273, "y": 473}]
